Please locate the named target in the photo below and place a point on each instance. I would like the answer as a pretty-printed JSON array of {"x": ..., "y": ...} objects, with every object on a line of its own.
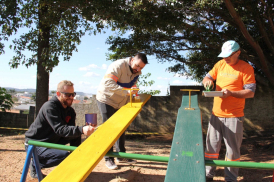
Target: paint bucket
[{"x": 91, "y": 119}]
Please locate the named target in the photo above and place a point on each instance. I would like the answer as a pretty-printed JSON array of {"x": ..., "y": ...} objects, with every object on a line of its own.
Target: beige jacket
[{"x": 117, "y": 77}]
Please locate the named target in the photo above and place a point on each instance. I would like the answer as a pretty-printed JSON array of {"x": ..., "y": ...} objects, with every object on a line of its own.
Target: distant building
[
  {"x": 24, "y": 99},
  {"x": 24, "y": 107},
  {"x": 18, "y": 95},
  {"x": 27, "y": 94},
  {"x": 79, "y": 97}
]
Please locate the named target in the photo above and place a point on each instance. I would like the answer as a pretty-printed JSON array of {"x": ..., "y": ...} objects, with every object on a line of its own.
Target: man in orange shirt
[{"x": 235, "y": 78}]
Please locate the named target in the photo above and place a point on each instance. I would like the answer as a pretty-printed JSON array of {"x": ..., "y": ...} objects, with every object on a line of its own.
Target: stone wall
[
  {"x": 16, "y": 120},
  {"x": 82, "y": 109},
  {"x": 160, "y": 113}
]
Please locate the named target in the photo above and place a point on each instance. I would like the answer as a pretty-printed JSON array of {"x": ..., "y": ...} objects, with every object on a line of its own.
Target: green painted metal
[
  {"x": 51, "y": 145},
  {"x": 221, "y": 163},
  {"x": 252, "y": 165},
  {"x": 111, "y": 154},
  {"x": 186, "y": 162},
  {"x": 138, "y": 156}
]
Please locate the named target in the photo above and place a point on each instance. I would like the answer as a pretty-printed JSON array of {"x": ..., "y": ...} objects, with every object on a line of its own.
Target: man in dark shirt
[{"x": 55, "y": 123}]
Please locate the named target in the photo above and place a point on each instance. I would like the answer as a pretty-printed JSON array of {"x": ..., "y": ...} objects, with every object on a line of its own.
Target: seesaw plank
[
  {"x": 79, "y": 164},
  {"x": 186, "y": 162}
]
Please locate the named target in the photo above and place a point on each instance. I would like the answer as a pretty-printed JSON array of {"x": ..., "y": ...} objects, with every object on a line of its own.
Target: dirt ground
[{"x": 255, "y": 148}]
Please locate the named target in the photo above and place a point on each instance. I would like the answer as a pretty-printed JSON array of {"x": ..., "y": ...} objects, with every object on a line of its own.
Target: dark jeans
[
  {"x": 107, "y": 111},
  {"x": 52, "y": 157}
]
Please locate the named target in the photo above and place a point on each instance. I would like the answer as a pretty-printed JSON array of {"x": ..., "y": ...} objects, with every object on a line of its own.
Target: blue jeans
[
  {"x": 107, "y": 111},
  {"x": 52, "y": 157}
]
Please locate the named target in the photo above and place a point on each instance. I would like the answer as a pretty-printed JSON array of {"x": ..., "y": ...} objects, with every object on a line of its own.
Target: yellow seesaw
[{"x": 79, "y": 164}]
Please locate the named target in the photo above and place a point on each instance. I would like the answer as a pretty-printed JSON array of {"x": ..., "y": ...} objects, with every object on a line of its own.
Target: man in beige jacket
[{"x": 122, "y": 73}]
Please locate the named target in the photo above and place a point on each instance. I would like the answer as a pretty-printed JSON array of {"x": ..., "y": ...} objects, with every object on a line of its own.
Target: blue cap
[{"x": 228, "y": 48}]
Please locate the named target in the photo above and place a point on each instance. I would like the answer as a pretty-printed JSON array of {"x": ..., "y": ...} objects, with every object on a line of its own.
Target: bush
[{"x": 5, "y": 100}]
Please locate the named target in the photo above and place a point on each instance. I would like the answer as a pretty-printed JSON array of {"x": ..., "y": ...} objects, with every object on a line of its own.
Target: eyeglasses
[
  {"x": 69, "y": 94},
  {"x": 232, "y": 54}
]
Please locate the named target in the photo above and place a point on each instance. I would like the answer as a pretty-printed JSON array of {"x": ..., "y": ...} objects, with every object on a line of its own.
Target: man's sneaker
[
  {"x": 124, "y": 160},
  {"x": 111, "y": 165},
  {"x": 209, "y": 179},
  {"x": 33, "y": 173}
]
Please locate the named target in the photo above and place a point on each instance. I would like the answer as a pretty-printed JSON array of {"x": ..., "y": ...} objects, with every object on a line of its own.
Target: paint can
[{"x": 91, "y": 119}]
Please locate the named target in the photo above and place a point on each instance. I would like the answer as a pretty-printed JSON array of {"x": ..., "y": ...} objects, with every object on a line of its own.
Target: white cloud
[
  {"x": 91, "y": 74},
  {"x": 84, "y": 83},
  {"x": 104, "y": 66},
  {"x": 177, "y": 82},
  {"x": 89, "y": 67},
  {"x": 185, "y": 82},
  {"x": 163, "y": 78},
  {"x": 93, "y": 66},
  {"x": 194, "y": 83}
]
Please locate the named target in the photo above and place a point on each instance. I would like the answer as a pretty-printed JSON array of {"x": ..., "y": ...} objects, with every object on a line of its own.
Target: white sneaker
[{"x": 111, "y": 165}]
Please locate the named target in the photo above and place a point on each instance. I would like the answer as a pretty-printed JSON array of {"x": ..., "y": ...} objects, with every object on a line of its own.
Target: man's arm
[
  {"x": 238, "y": 94},
  {"x": 111, "y": 78}
]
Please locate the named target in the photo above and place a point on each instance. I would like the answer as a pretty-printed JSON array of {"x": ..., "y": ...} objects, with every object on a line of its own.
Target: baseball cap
[{"x": 228, "y": 48}]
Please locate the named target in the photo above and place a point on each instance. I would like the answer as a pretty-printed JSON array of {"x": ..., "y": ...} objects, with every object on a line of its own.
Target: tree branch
[
  {"x": 264, "y": 34},
  {"x": 250, "y": 40}
]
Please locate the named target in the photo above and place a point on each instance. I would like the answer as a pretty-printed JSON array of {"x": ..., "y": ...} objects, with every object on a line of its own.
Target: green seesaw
[{"x": 186, "y": 161}]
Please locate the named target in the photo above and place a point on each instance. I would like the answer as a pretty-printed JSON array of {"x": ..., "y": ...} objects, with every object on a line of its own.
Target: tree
[
  {"x": 191, "y": 33},
  {"x": 12, "y": 91},
  {"x": 5, "y": 100},
  {"x": 142, "y": 81},
  {"x": 14, "y": 99},
  {"x": 33, "y": 97},
  {"x": 55, "y": 28},
  {"x": 53, "y": 92}
]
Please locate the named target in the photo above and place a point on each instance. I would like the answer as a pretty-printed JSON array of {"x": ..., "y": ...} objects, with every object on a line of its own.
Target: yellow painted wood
[{"x": 79, "y": 164}]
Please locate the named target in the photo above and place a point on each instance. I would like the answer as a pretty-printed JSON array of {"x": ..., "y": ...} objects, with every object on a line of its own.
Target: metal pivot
[
  {"x": 130, "y": 95},
  {"x": 189, "y": 94}
]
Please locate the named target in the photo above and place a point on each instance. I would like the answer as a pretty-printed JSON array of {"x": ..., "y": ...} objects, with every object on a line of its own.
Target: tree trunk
[
  {"x": 42, "y": 81},
  {"x": 42, "y": 87}
]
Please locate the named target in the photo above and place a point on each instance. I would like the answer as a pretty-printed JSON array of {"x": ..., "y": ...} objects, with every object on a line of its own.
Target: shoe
[
  {"x": 124, "y": 160},
  {"x": 209, "y": 179},
  {"x": 33, "y": 173},
  {"x": 111, "y": 165}
]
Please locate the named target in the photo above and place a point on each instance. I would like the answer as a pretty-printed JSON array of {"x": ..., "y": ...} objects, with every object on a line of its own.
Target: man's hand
[
  {"x": 90, "y": 124},
  {"x": 226, "y": 93},
  {"x": 88, "y": 130},
  {"x": 209, "y": 85},
  {"x": 133, "y": 91}
]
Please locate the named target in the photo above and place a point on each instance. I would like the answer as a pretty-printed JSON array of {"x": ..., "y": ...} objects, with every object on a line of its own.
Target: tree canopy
[
  {"x": 54, "y": 29},
  {"x": 191, "y": 33},
  {"x": 167, "y": 29}
]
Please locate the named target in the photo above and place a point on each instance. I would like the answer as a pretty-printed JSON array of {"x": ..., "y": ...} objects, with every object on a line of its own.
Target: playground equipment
[
  {"x": 79, "y": 164},
  {"x": 186, "y": 161},
  {"x": 220, "y": 163}
]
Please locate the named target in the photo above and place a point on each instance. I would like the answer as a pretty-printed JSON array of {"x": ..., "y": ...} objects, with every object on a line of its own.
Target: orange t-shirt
[{"x": 232, "y": 78}]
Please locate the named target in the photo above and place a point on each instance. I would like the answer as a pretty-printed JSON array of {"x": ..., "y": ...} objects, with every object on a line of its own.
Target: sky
[{"x": 85, "y": 69}]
